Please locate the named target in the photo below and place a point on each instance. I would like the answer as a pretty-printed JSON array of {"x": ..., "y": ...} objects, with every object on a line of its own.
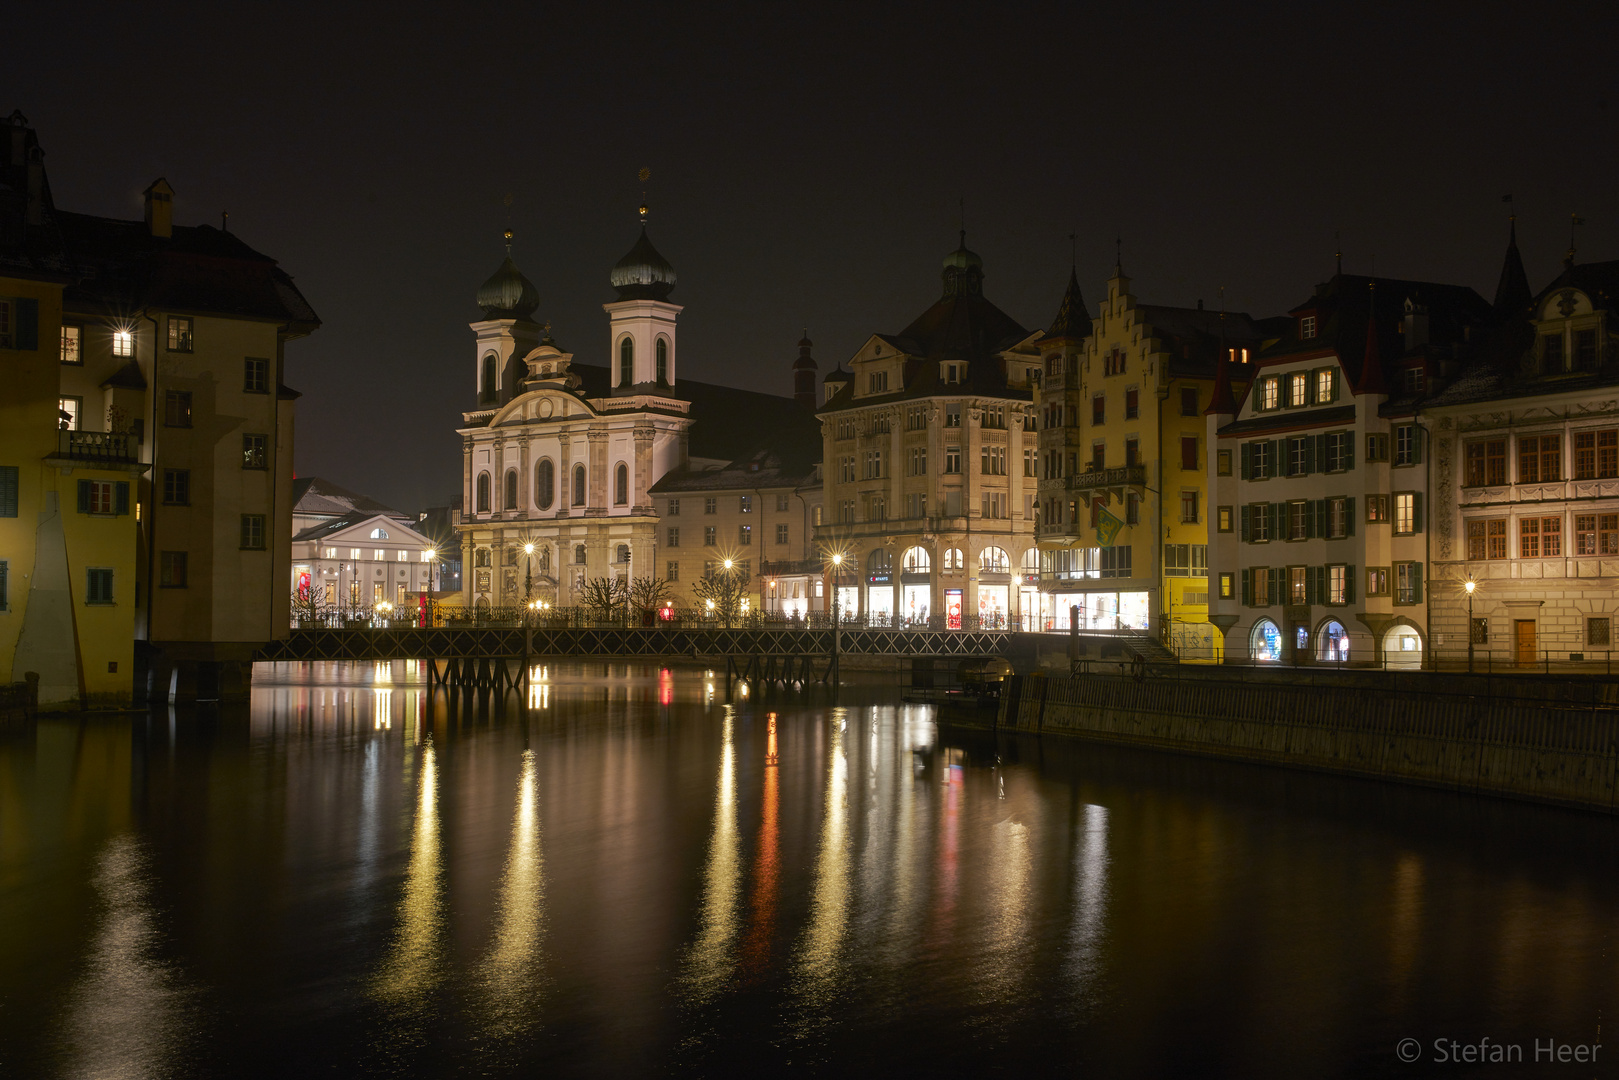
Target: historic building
[
  {"x": 359, "y": 560},
  {"x": 928, "y": 457},
  {"x": 170, "y": 431},
  {"x": 316, "y": 499},
  {"x": 1319, "y": 475},
  {"x": 566, "y": 456},
  {"x": 1526, "y": 478},
  {"x": 1123, "y": 511}
]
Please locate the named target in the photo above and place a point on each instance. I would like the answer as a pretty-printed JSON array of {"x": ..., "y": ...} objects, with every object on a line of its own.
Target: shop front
[
  {"x": 952, "y": 609},
  {"x": 916, "y": 599},
  {"x": 1107, "y": 611}
]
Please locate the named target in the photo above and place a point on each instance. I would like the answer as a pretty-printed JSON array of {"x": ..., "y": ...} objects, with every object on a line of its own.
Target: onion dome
[
  {"x": 962, "y": 258},
  {"x": 508, "y": 294},
  {"x": 643, "y": 274}
]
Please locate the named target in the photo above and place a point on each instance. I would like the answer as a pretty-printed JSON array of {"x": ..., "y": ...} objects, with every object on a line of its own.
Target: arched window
[
  {"x": 579, "y": 554},
  {"x": 952, "y": 559},
  {"x": 993, "y": 560},
  {"x": 511, "y": 489},
  {"x": 621, "y": 485},
  {"x": 1031, "y": 561},
  {"x": 626, "y": 362},
  {"x": 1332, "y": 643},
  {"x": 488, "y": 391},
  {"x": 578, "y": 485},
  {"x": 879, "y": 561},
  {"x": 480, "y": 557},
  {"x": 483, "y": 493},
  {"x": 663, "y": 361},
  {"x": 916, "y": 560},
  {"x": 623, "y": 553},
  {"x": 1265, "y": 643},
  {"x": 379, "y": 533},
  {"x": 545, "y": 484}
]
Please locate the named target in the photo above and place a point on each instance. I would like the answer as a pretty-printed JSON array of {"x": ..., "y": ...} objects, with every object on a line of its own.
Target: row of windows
[
  {"x": 1541, "y": 537},
  {"x": 626, "y": 361},
  {"x": 1331, "y": 518},
  {"x": 1296, "y": 390},
  {"x": 1266, "y": 586},
  {"x": 744, "y": 504},
  {"x": 1540, "y": 458},
  {"x": 379, "y": 555},
  {"x": 711, "y": 535},
  {"x": 545, "y": 487},
  {"x": 991, "y": 417}
]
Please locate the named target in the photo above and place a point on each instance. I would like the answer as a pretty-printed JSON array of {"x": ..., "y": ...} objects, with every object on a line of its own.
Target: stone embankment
[{"x": 1549, "y": 740}]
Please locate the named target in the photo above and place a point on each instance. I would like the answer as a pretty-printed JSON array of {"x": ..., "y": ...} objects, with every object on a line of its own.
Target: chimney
[
  {"x": 160, "y": 208},
  {"x": 1416, "y": 325}
]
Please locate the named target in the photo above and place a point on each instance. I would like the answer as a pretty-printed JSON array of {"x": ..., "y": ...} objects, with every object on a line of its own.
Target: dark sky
[{"x": 808, "y": 163}]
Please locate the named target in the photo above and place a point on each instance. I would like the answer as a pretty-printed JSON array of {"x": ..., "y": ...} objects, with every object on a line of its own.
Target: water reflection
[
  {"x": 1090, "y": 898},
  {"x": 125, "y": 1018},
  {"x": 412, "y": 966},
  {"x": 512, "y": 973},
  {"x": 709, "y": 963},
  {"x": 756, "y": 949},
  {"x": 820, "y": 951}
]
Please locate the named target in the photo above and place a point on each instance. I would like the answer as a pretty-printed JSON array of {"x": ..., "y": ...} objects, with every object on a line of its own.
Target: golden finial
[
  {"x": 508, "y": 235},
  {"x": 645, "y": 174}
]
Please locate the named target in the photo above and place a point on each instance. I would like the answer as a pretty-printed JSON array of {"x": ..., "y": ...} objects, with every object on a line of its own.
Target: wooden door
[{"x": 1523, "y": 636}]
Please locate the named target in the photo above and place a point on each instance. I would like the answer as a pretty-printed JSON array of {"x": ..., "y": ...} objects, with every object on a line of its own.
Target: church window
[
  {"x": 511, "y": 489},
  {"x": 488, "y": 392},
  {"x": 483, "y": 493},
  {"x": 480, "y": 557},
  {"x": 663, "y": 361},
  {"x": 621, "y": 486},
  {"x": 545, "y": 484},
  {"x": 579, "y": 554},
  {"x": 626, "y": 362},
  {"x": 578, "y": 485}
]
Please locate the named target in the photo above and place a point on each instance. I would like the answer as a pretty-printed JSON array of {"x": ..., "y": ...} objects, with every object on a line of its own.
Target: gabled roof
[
  {"x": 1073, "y": 321},
  {"x": 763, "y": 469},
  {"x": 362, "y": 522},
  {"x": 317, "y": 495}
]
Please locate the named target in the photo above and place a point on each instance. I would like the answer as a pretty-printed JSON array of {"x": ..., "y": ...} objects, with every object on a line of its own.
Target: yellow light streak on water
[
  {"x": 820, "y": 959},
  {"x": 712, "y": 959},
  {"x": 513, "y": 972},
  {"x": 412, "y": 967}
]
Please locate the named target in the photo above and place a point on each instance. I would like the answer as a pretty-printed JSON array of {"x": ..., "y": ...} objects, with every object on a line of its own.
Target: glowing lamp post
[
  {"x": 1470, "y": 585},
  {"x": 837, "y": 579}
]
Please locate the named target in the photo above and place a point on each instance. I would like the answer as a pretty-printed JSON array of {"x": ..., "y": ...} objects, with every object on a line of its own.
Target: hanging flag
[{"x": 1107, "y": 527}]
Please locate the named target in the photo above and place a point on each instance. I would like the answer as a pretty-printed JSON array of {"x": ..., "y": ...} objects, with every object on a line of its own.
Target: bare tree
[
  {"x": 648, "y": 594},
  {"x": 309, "y": 608},
  {"x": 726, "y": 590},
  {"x": 604, "y": 596}
]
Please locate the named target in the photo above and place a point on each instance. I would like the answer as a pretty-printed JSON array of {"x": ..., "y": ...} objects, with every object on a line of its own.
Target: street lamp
[
  {"x": 430, "y": 555},
  {"x": 528, "y": 574},
  {"x": 1470, "y": 585},
  {"x": 837, "y": 579}
]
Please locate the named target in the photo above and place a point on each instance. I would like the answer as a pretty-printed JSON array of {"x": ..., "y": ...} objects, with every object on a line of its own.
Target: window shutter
[
  {"x": 1416, "y": 444},
  {"x": 1416, "y": 512},
  {"x": 1349, "y": 516},
  {"x": 1416, "y": 583},
  {"x": 1274, "y": 580},
  {"x": 1318, "y": 508},
  {"x": 1270, "y": 518},
  {"x": 121, "y": 497},
  {"x": 1349, "y": 441},
  {"x": 1247, "y": 463},
  {"x": 1247, "y": 587},
  {"x": 1246, "y": 512},
  {"x": 28, "y": 324},
  {"x": 1333, "y": 375},
  {"x": 8, "y": 491},
  {"x": 1312, "y": 575},
  {"x": 1278, "y": 457},
  {"x": 1310, "y": 456},
  {"x": 1349, "y": 584},
  {"x": 84, "y": 496}
]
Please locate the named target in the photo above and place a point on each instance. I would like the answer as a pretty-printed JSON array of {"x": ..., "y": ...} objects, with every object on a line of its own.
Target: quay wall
[{"x": 1556, "y": 747}]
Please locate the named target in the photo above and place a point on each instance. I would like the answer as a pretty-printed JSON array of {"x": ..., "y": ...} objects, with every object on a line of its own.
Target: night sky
[{"x": 807, "y": 169}]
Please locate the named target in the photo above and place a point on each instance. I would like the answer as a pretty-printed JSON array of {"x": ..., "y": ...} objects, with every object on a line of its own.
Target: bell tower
[
  {"x": 641, "y": 321},
  {"x": 506, "y": 333}
]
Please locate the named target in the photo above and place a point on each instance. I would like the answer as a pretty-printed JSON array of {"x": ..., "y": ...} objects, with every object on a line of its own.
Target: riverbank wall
[{"x": 1543, "y": 740}]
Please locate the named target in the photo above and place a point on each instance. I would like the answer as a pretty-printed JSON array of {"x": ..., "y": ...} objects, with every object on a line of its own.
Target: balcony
[
  {"x": 1125, "y": 476},
  {"x": 98, "y": 447}
]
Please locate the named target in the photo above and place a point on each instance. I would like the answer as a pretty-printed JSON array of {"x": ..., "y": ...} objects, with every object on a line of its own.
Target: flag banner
[{"x": 1107, "y": 527}]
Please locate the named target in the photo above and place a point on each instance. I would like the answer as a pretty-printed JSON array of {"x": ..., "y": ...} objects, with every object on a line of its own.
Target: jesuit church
[{"x": 563, "y": 455}]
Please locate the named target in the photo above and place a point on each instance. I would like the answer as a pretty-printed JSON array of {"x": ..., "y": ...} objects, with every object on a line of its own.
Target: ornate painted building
[{"x": 928, "y": 456}]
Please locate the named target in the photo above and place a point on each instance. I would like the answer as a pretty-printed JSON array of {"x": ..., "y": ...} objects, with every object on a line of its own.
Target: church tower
[
  {"x": 506, "y": 333},
  {"x": 804, "y": 374},
  {"x": 642, "y": 320}
]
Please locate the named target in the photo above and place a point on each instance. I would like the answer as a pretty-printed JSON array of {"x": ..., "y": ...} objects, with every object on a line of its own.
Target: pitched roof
[
  {"x": 325, "y": 529},
  {"x": 1073, "y": 319},
  {"x": 763, "y": 469},
  {"x": 316, "y": 495},
  {"x": 1512, "y": 295}
]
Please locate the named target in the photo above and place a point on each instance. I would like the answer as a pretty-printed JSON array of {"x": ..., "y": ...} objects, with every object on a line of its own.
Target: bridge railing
[{"x": 410, "y": 617}]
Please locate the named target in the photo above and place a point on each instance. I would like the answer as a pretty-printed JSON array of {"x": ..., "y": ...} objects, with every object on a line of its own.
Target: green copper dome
[
  {"x": 508, "y": 294},
  {"x": 962, "y": 258},
  {"x": 643, "y": 274}
]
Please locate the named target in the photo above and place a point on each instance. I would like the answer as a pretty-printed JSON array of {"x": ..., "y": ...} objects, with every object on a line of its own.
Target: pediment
[{"x": 542, "y": 405}]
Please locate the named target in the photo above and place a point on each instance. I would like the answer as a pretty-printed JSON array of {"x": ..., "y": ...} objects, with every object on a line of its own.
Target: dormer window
[
  {"x": 1415, "y": 379},
  {"x": 952, "y": 373},
  {"x": 1307, "y": 327},
  {"x": 1585, "y": 350},
  {"x": 877, "y": 382},
  {"x": 1551, "y": 352}
]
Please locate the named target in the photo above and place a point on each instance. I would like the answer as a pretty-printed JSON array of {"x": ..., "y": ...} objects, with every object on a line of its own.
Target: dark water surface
[{"x": 633, "y": 878}]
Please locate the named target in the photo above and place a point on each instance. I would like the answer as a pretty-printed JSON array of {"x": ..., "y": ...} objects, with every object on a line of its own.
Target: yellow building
[
  {"x": 67, "y": 530},
  {"x": 1123, "y": 525}
]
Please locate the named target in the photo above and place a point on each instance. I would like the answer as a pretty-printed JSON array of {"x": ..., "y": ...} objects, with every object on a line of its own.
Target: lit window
[
  {"x": 1270, "y": 392},
  {"x": 123, "y": 343},
  {"x": 179, "y": 334},
  {"x": 1325, "y": 386},
  {"x": 1405, "y": 513},
  {"x": 72, "y": 353},
  {"x": 69, "y": 413},
  {"x": 1298, "y": 386}
]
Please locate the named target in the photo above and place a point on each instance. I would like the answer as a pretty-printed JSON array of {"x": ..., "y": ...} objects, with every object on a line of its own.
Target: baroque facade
[{"x": 928, "y": 450}]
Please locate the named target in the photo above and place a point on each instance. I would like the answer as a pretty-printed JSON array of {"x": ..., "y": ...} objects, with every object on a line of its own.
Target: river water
[{"x": 627, "y": 875}]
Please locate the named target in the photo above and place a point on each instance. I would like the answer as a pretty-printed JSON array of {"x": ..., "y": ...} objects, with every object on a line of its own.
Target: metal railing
[
  {"x": 409, "y": 617},
  {"x": 114, "y": 447}
]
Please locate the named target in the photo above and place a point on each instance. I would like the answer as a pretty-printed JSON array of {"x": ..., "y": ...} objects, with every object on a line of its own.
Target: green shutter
[
  {"x": 1335, "y": 381},
  {"x": 1247, "y": 463},
  {"x": 1416, "y": 444},
  {"x": 1247, "y": 588},
  {"x": 121, "y": 497},
  {"x": 1277, "y": 582},
  {"x": 1349, "y": 584},
  {"x": 1271, "y": 519},
  {"x": 8, "y": 491},
  {"x": 1416, "y": 584},
  {"x": 1246, "y": 513},
  {"x": 1278, "y": 460},
  {"x": 1416, "y": 512},
  {"x": 28, "y": 324},
  {"x": 1349, "y": 445},
  {"x": 84, "y": 496},
  {"x": 1310, "y": 455},
  {"x": 1349, "y": 516}
]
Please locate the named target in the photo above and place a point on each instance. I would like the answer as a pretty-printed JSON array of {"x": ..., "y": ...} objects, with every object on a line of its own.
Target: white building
[{"x": 360, "y": 560}]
